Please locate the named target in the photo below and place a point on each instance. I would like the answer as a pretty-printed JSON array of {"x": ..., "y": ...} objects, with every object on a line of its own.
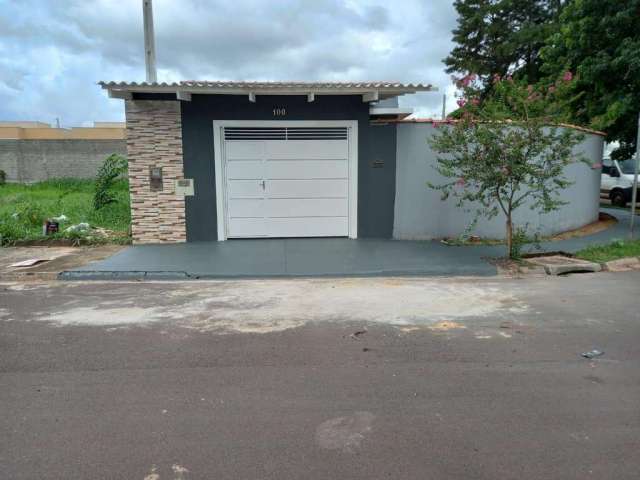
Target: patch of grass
[
  {"x": 24, "y": 208},
  {"x": 611, "y": 251}
]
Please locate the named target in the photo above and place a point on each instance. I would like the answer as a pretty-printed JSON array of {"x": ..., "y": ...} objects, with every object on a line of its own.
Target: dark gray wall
[
  {"x": 376, "y": 184},
  {"x": 28, "y": 161}
]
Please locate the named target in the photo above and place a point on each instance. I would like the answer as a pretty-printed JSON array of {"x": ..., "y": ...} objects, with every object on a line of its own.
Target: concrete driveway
[
  {"x": 399, "y": 378},
  {"x": 316, "y": 257}
]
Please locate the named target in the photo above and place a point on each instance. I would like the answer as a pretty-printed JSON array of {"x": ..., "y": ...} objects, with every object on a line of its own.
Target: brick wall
[{"x": 154, "y": 139}]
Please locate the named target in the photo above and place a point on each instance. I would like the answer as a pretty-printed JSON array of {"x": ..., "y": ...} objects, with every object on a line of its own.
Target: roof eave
[{"x": 371, "y": 93}]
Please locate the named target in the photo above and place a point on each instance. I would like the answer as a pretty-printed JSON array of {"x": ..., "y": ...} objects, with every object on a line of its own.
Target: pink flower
[
  {"x": 461, "y": 102},
  {"x": 568, "y": 76},
  {"x": 552, "y": 89},
  {"x": 460, "y": 182},
  {"x": 509, "y": 78},
  {"x": 467, "y": 80},
  {"x": 496, "y": 78}
]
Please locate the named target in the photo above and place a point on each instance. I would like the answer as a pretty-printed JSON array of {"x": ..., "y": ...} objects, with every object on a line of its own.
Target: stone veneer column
[{"x": 154, "y": 139}]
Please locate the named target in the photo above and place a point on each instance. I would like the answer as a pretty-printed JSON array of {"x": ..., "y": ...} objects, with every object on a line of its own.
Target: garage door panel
[
  {"x": 309, "y": 149},
  {"x": 317, "y": 188},
  {"x": 290, "y": 181},
  {"x": 245, "y": 169},
  {"x": 245, "y": 188},
  {"x": 306, "y": 207},
  {"x": 247, "y": 227},
  {"x": 246, "y": 207},
  {"x": 308, "y": 227},
  {"x": 244, "y": 150},
  {"x": 306, "y": 169}
]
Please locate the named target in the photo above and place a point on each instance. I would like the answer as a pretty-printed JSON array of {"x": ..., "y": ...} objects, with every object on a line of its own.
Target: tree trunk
[{"x": 509, "y": 237}]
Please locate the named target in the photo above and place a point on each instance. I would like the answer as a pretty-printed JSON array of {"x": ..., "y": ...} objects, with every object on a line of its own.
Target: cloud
[{"x": 52, "y": 53}]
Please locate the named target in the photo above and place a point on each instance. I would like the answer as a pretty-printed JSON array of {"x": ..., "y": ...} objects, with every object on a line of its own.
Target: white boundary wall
[{"x": 421, "y": 214}]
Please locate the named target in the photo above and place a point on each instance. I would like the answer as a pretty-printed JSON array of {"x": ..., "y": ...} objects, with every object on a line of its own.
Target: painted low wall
[
  {"x": 421, "y": 214},
  {"x": 28, "y": 161}
]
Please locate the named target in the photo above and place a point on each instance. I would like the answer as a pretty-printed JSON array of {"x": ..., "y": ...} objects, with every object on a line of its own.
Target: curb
[{"x": 76, "y": 275}]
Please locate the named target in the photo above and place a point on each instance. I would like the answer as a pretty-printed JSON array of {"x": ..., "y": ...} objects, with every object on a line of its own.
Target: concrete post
[
  {"x": 149, "y": 41},
  {"x": 634, "y": 194}
]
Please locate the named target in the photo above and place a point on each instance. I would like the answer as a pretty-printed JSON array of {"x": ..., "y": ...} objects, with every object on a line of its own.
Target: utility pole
[
  {"x": 149, "y": 41},
  {"x": 444, "y": 106},
  {"x": 634, "y": 192}
]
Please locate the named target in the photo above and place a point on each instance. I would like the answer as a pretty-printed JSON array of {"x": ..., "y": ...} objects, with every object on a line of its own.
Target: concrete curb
[
  {"x": 133, "y": 275},
  {"x": 560, "y": 265},
  {"x": 564, "y": 269},
  {"x": 622, "y": 264},
  {"x": 107, "y": 275}
]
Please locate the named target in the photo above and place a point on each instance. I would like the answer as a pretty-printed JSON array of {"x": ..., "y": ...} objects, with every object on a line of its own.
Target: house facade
[{"x": 223, "y": 160}]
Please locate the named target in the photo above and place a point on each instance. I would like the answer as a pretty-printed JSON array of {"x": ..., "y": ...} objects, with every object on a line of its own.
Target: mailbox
[{"x": 155, "y": 178}]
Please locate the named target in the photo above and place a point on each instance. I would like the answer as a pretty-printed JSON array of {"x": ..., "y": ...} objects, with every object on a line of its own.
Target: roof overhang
[
  {"x": 389, "y": 113},
  {"x": 370, "y": 91}
]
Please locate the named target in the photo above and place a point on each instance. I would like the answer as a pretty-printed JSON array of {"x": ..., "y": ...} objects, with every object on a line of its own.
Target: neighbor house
[{"x": 221, "y": 160}]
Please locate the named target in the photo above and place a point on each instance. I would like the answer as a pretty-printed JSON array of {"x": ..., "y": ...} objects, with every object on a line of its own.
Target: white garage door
[{"x": 286, "y": 181}]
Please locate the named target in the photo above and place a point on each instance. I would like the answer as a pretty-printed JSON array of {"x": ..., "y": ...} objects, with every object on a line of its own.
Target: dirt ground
[{"x": 53, "y": 260}]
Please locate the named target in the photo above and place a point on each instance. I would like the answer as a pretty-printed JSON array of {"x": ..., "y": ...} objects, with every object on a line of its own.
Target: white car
[{"x": 617, "y": 180}]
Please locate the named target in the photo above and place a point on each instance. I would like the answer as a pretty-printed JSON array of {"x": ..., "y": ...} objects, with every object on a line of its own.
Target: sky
[{"x": 52, "y": 52}]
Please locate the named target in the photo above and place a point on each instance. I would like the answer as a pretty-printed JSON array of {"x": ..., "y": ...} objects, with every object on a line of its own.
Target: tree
[
  {"x": 506, "y": 151},
  {"x": 600, "y": 41},
  {"x": 501, "y": 36}
]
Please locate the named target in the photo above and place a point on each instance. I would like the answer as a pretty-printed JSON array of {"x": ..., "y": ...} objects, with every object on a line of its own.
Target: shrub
[
  {"x": 11, "y": 230},
  {"x": 113, "y": 167},
  {"x": 30, "y": 214},
  {"x": 3, "y": 177}
]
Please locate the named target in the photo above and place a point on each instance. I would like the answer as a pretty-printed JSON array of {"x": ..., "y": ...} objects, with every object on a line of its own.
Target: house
[{"x": 221, "y": 160}]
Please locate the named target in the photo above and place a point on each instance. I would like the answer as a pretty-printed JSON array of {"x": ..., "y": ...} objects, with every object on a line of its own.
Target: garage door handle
[{"x": 263, "y": 184}]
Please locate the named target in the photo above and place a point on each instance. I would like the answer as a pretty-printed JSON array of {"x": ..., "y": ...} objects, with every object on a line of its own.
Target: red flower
[{"x": 568, "y": 76}]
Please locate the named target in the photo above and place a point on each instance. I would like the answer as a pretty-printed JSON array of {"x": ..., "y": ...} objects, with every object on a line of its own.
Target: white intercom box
[{"x": 184, "y": 186}]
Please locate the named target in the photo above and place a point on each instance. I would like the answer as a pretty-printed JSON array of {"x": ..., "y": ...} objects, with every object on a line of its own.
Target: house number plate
[{"x": 279, "y": 112}]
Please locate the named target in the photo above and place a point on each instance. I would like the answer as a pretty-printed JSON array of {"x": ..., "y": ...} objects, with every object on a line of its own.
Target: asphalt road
[{"x": 457, "y": 379}]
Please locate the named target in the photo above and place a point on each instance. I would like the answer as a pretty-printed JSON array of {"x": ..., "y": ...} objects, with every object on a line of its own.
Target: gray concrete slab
[
  {"x": 315, "y": 257},
  {"x": 288, "y": 257}
]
